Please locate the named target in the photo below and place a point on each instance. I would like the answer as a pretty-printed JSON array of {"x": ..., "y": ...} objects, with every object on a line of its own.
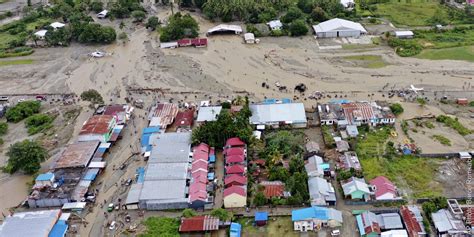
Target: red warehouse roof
[{"x": 273, "y": 188}]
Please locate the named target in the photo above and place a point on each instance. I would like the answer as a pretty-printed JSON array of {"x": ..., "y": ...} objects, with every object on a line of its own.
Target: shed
[
  {"x": 275, "y": 25},
  {"x": 404, "y": 34},
  {"x": 224, "y": 28},
  {"x": 59, "y": 229},
  {"x": 462, "y": 101},
  {"x": 41, "y": 34},
  {"x": 46, "y": 179},
  {"x": 465, "y": 155},
  {"x": 338, "y": 28},
  {"x": 169, "y": 45},
  {"x": 352, "y": 130},
  {"x": 208, "y": 113},
  {"x": 249, "y": 38},
  {"x": 261, "y": 218},
  {"x": 199, "y": 224}
]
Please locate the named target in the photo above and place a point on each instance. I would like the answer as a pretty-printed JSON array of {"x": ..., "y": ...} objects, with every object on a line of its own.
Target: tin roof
[
  {"x": 235, "y": 169},
  {"x": 261, "y": 216},
  {"x": 199, "y": 224},
  {"x": 234, "y": 141},
  {"x": 97, "y": 124},
  {"x": 208, "y": 113},
  {"x": 34, "y": 223},
  {"x": 273, "y": 188},
  {"x": 184, "y": 118},
  {"x": 383, "y": 185},
  {"x": 276, "y": 113},
  {"x": 77, "y": 155}
]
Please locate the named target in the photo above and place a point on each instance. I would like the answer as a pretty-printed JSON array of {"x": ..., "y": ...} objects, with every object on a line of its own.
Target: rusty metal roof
[
  {"x": 77, "y": 155},
  {"x": 97, "y": 124},
  {"x": 165, "y": 112}
]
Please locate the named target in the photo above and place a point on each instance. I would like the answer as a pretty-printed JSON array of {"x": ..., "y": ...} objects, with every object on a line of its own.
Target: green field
[
  {"x": 5, "y": 39},
  {"x": 16, "y": 62},
  {"x": 367, "y": 61},
  {"x": 281, "y": 226},
  {"x": 465, "y": 53},
  {"x": 415, "y": 13}
]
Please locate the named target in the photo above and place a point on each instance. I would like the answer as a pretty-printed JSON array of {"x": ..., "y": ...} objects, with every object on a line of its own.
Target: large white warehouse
[{"x": 338, "y": 28}]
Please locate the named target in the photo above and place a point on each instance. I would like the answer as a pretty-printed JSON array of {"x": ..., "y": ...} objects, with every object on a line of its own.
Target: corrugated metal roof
[
  {"x": 77, "y": 155},
  {"x": 390, "y": 221},
  {"x": 338, "y": 24},
  {"x": 59, "y": 229},
  {"x": 45, "y": 177},
  {"x": 35, "y": 223},
  {"x": 225, "y": 27},
  {"x": 164, "y": 113},
  {"x": 199, "y": 224},
  {"x": 184, "y": 118},
  {"x": 170, "y": 147},
  {"x": 133, "y": 195},
  {"x": 275, "y": 113},
  {"x": 98, "y": 124},
  {"x": 355, "y": 184},
  {"x": 208, "y": 113}
]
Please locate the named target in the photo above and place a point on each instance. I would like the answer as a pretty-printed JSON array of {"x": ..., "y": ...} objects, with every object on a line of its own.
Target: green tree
[
  {"x": 298, "y": 28},
  {"x": 95, "y": 33},
  {"x": 318, "y": 14},
  {"x": 259, "y": 199},
  {"x": 222, "y": 214},
  {"x": 396, "y": 108},
  {"x": 179, "y": 26},
  {"x": 92, "y": 96},
  {"x": 3, "y": 128},
  {"x": 438, "y": 18},
  {"x": 96, "y": 6},
  {"x": 61, "y": 36},
  {"x": 22, "y": 110},
  {"x": 138, "y": 15},
  {"x": 188, "y": 213},
  {"x": 153, "y": 22},
  {"x": 38, "y": 122},
  {"x": 25, "y": 156},
  {"x": 293, "y": 14},
  {"x": 421, "y": 101}
]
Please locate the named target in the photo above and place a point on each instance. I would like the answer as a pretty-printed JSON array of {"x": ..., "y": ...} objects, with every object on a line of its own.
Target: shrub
[
  {"x": 405, "y": 48},
  {"x": 92, "y": 96},
  {"x": 96, "y": 6},
  {"x": 138, "y": 15},
  {"x": 396, "y": 108},
  {"x": 252, "y": 29},
  {"x": 3, "y": 128},
  {"x": 153, "y": 22},
  {"x": 298, "y": 28},
  {"x": 454, "y": 124},
  {"x": 442, "y": 139},
  {"x": 22, "y": 110},
  {"x": 38, "y": 122}
]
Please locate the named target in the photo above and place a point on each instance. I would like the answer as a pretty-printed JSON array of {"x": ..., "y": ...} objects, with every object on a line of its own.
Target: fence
[
  {"x": 374, "y": 202},
  {"x": 439, "y": 155}
]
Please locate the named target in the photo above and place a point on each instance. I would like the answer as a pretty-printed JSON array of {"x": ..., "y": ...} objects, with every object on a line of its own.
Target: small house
[
  {"x": 390, "y": 221},
  {"x": 46, "y": 179},
  {"x": 447, "y": 225},
  {"x": 208, "y": 113},
  {"x": 98, "y": 128},
  {"x": 102, "y": 14},
  {"x": 342, "y": 146},
  {"x": 235, "y": 230},
  {"x": 249, "y": 38},
  {"x": 384, "y": 189},
  {"x": 235, "y": 196},
  {"x": 235, "y": 179},
  {"x": 169, "y": 45},
  {"x": 314, "y": 218},
  {"x": 411, "y": 216},
  {"x": 462, "y": 101},
  {"x": 278, "y": 115},
  {"x": 199, "y": 224},
  {"x": 356, "y": 188},
  {"x": 225, "y": 29},
  {"x": 405, "y": 34},
  {"x": 273, "y": 189},
  {"x": 368, "y": 224},
  {"x": 261, "y": 218},
  {"x": 275, "y": 25},
  {"x": 321, "y": 192},
  {"x": 352, "y": 131},
  {"x": 394, "y": 233},
  {"x": 464, "y": 155}
]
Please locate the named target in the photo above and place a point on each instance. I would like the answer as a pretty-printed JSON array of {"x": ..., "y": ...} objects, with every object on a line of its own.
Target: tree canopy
[
  {"x": 93, "y": 96},
  {"x": 22, "y": 110},
  {"x": 38, "y": 122},
  {"x": 153, "y": 22},
  {"x": 396, "y": 108},
  {"x": 179, "y": 26},
  {"x": 25, "y": 156},
  {"x": 96, "y": 33},
  {"x": 222, "y": 214}
]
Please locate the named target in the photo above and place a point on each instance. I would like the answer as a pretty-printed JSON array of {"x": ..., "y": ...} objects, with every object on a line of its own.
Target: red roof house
[
  {"x": 413, "y": 225},
  {"x": 235, "y": 190},
  {"x": 235, "y": 169},
  {"x": 235, "y": 179},
  {"x": 234, "y": 159},
  {"x": 199, "y": 224},
  {"x": 273, "y": 188},
  {"x": 234, "y": 142},
  {"x": 184, "y": 119},
  {"x": 384, "y": 189},
  {"x": 199, "y": 42},
  {"x": 234, "y": 151}
]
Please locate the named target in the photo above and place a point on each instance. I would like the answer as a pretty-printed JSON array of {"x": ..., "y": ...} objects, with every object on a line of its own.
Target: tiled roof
[
  {"x": 273, "y": 188},
  {"x": 234, "y": 159},
  {"x": 235, "y": 179}
]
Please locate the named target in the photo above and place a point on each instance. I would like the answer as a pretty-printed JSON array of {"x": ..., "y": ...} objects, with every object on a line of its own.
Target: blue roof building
[
  {"x": 235, "y": 229},
  {"x": 306, "y": 219},
  {"x": 261, "y": 218},
  {"x": 212, "y": 158},
  {"x": 59, "y": 229}
]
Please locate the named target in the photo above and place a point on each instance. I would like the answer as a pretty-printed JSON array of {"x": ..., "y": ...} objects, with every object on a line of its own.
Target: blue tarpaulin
[
  {"x": 212, "y": 158},
  {"x": 210, "y": 176},
  {"x": 59, "y": 229},
  {"x": 151, "y": 130},
  {"x": 286, "y": 101},
  {"x": 145, "y": 139},
  {"x": 141, "y": 175},
  {"x": 406, "y": 151},
  {"x": 269, "y": 101},
  {"x": 261, "y": 216},
  {"x": 235, "y": 229},
  {"x": 91, "y": 174},
  {"x": 339, "y": 101},
  {"x": 45, "y": 177}
]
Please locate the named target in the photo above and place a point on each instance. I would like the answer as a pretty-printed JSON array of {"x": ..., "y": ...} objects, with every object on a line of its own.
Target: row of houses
[
  {"x": 235, "y": 181},
  {"x": 345, "y": 113},
  {"x": 76, "y": 168}
]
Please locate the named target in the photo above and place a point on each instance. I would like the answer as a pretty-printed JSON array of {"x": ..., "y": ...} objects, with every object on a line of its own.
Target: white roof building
[
  {"x": 57, "y": 25},
  {"x": 225, "y": 28},
  {"x": 338, "y": 28},
  {"x": 274, "y": 115},
  {"x": 249, "y": 38},
  {"x": 34, "y": 224},
  {"x": 348, "y": 3},
  {"x": 275, "y": 25},
  {"x": 394, "y": 233},
  {"x": 208, "y": 113},
  {"x": 404, "y": 34}
]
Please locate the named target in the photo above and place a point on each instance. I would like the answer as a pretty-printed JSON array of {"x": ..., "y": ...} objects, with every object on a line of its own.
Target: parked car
[
  {"x": 112, "y": 225},
  {"x": 3, "y": 98},
  {"x": 40, "y": 97},
  {"x": 110, "y": 208},
  {"x": 129, "y": 181},
  {"x": 335, "y": 232}
]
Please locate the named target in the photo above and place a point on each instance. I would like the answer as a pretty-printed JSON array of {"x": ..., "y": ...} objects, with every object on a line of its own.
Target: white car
[
  {"x": 98, "y": 54},
  {"x": 335, "y": 233},
  {"x": 112, "y": 225}
]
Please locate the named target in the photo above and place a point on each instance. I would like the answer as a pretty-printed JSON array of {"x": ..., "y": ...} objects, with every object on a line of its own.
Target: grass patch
[
  {"x": 415, "y": 173},
  {"x": 372, "y": 144},
  {"x": 358, "y": 46},
  {"x": 327, "y": 136},
  {"x": 161, "y": 226},
  {"x": 465, "y": 53},
  {"x": 281, "y": 226},
  {"x": 16, "y": 62},
  {"x": 442, "y": 139},
  {"x": 367, "y": 61},
  {"x": 454, "y": 124},
  {"x": 412, "y": 13}
]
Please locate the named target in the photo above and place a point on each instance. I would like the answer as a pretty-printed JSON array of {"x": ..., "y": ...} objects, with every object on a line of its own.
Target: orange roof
[
  {"x": 273, "y": 188},
  {"x": 97, "y": 124}
]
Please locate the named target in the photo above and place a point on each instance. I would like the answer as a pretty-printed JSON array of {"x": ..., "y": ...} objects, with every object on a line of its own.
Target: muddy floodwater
[{"x": 13, "y": 190}]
